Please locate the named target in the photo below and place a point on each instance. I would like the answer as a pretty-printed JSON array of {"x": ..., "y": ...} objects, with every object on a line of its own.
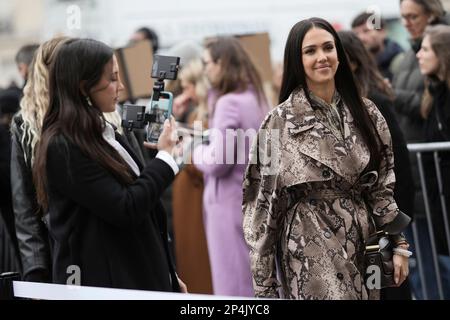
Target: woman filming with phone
[{"x": 105, "y": 216}]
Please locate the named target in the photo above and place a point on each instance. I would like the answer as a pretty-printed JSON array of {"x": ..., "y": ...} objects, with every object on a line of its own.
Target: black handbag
[
  {"x": 379, "y": 253},
  {"x": 379, "y": 261}
]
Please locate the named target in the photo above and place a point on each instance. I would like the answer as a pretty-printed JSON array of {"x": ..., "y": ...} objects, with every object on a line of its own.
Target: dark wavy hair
[
  {"x": 294, "y": 76},
  {"x": 439, "y": 36},
  {"x": 71, "y": 115},
  {"x": 367, "y": 75}
]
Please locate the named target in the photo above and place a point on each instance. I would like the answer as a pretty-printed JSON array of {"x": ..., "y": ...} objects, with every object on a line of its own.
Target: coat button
[
  {"x": 327, "y": 234},
  {"x": 326, "y": 174},
  {"x": 340, "y": 276}
]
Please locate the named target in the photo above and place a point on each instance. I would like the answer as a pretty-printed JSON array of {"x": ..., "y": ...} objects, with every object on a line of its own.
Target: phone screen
[{"x": 160, "y": 111}]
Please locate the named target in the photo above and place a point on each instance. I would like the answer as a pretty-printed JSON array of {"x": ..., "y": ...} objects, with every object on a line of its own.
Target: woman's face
[
  {"x": 105, "y": 94},
  {"x": 212, "y": 69},
  {"x": 428, "y": 61},
  {"x": 414, "y": 18},
  {"x": 319, "y": 57}
]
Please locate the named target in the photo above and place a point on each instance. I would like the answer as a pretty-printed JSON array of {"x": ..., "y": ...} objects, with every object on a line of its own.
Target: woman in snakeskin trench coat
[{"x": 320, "y": 178}]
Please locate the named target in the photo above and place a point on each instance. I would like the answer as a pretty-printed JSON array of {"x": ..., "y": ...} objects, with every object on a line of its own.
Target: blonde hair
[
  {"x": 439, "y": 36},
  {"x": 35, "y": 101},
  {"x": 193, "y": 73}
]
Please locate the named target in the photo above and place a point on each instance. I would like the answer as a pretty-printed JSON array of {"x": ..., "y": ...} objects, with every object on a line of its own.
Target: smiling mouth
[{"x": 323, "y": 67}]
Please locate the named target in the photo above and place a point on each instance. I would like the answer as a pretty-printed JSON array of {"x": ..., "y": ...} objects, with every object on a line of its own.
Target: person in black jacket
[
  {"x": 434, "y": 62},
  {"x": 26, "y": 127},
  {"x": 408, "y": 81},
  {"x": 105, "y": 216},
  {"x": 373, "y": 87},
  {"x": 9, "y": 253}
]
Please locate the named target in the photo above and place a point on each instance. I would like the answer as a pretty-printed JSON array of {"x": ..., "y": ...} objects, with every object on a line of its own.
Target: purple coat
[{"x": 223, "y": 163}]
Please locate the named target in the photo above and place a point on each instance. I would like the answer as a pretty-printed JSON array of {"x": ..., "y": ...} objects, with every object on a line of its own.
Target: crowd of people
[{"x": 277, "y": 201}]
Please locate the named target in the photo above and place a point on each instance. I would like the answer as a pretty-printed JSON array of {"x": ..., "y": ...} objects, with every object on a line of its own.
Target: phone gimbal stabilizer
[{"x": 137, "y": 117}]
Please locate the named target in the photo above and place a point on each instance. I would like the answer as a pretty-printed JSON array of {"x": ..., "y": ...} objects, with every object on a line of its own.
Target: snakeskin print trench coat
[{"x": 309, "y": 205}]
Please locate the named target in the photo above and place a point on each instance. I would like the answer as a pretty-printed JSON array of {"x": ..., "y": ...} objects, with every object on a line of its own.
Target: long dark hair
[
  {"x": 439, "y": 36},
  {"x": 294, "y": 76},
  {"x": 367, "y": 75},
  {"x": 237, "y": 69},
  {"x": 70, "y": 113}
]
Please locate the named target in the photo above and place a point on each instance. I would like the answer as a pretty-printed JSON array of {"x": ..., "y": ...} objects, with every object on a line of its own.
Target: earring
[{"x": 88, "y": 100}]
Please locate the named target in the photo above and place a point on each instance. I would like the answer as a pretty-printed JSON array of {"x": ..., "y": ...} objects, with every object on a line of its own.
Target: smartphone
[{"x": 158, "y": 111}]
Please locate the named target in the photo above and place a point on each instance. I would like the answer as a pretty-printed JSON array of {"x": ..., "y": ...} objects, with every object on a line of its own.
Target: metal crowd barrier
[{"x": 419, "y": 149}]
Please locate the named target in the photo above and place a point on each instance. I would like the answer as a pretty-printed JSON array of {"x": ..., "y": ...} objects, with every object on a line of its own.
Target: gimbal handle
[{"x": 158, "y": 86}]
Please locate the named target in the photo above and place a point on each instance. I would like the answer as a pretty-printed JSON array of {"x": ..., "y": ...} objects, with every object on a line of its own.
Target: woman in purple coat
[{"x": 237, "y": 106}]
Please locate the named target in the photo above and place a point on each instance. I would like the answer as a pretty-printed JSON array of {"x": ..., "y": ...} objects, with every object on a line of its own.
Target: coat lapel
[
  {"x": 314, "y": 138},
  {"x": 130, "y": 151}
]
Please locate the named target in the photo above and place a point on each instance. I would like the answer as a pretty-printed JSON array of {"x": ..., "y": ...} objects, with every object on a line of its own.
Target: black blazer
[{"x": 115, "y": 234}]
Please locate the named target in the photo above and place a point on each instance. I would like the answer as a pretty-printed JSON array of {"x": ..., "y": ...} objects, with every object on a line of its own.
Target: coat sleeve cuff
[
  {"x": 167, "y": 158},
  {"x": 398, "y": 224}
]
